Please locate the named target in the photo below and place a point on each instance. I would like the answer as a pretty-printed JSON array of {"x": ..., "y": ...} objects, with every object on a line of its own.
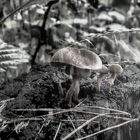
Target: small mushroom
[
  {"x": 114, "y": 69},
  {"x": 81, "y": 62}
]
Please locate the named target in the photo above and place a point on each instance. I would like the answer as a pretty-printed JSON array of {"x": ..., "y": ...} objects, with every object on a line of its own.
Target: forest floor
[{"x": 38, "y": 91}]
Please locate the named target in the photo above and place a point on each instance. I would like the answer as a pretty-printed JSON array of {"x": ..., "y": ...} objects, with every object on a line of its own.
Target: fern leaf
[
  {"x": 4, "y": 51},
  {"x": 11, "y": 56}
]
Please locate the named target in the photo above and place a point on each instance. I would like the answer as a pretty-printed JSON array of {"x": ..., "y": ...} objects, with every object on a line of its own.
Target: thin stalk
[{"x": 108, "y": 109}]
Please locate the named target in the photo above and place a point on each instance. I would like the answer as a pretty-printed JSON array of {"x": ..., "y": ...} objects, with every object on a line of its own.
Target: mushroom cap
[
  {"x": 80, "y": 58},
  {"x": 115, "y": 68}
]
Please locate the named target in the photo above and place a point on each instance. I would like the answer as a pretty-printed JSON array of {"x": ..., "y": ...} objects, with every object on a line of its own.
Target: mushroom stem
[
  {"x": 76, "y": 90},
  {"x": 111, "y": 80},
  {"x": 73, "y": 91},
  {"x": 114, "y": 69},
  {"x": 102, "y": 72},
  {"x": 60, "y": 89},
  {"x": 99, "y": 81}
]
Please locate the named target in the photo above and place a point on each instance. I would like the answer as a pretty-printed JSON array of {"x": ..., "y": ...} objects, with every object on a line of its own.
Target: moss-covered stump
[{"x": 39, "y": 89}]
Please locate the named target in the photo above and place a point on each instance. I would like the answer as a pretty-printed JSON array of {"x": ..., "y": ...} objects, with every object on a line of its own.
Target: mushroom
[
  {"x": 81, "y": 62},
  {"x": 114, "y": 69}
]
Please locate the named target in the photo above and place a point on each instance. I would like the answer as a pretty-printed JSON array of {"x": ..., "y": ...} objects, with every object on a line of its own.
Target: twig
[
  {"x": 73, "y": 125},
  {"x": 86, "y": 123},
  {"x": 80, "y": 103},
  {"x": 78, "y": 120},
  {"x": 109, "y": 128},
  {"x": 40, "y": 109},
  {"x": 22, "y": 119},
  {"x": 61, "y": 111},
  {"x": 42, "y": 128},
  {"x": 40, "y": 118},
  {"x": 108, "y": 109},
  {"x": 108, "y": 116},
  {"x": 57, "y": 113},
  {"x": 85, "y": 112},
  {"x": 57, "y": 131},
  {"x": 7, "y": 100}
]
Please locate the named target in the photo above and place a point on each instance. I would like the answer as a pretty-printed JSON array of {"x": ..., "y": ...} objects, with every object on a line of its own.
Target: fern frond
[
  {"x": 13, "y": 62},
  {"x": 11, "y": 56},
  {"x": 9, "y": 50}
]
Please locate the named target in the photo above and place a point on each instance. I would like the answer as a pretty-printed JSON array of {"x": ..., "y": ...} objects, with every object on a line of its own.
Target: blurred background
[{"x": 37, "y": 29}]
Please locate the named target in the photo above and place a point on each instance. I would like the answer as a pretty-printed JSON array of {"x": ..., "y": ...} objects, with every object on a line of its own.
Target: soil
[{"x": 40, "y": 89}]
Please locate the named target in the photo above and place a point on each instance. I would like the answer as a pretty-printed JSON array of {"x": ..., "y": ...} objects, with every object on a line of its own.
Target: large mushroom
[{"x": 80, "y": 62}]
